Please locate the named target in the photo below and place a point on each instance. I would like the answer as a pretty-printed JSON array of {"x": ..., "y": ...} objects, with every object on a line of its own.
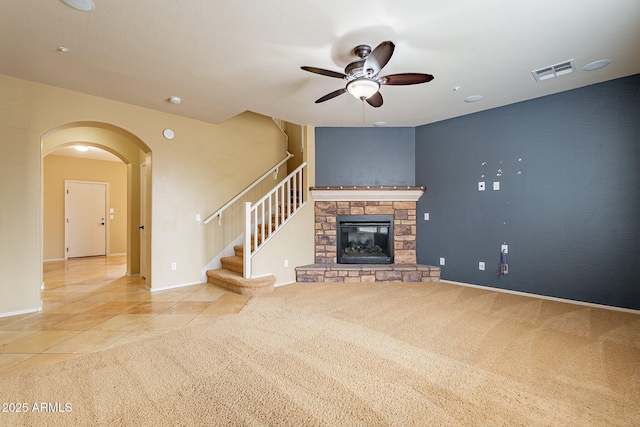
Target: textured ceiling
[{"x": 226, "y": 57}]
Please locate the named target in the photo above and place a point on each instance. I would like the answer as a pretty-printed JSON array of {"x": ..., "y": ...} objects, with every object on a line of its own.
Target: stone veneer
[{"x": 399, "y": 202}]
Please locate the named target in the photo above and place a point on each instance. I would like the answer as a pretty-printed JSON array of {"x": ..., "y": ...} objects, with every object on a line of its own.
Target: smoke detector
[
  {"x": 81, "y": 5},
  {"x": 553, "y": 71}
]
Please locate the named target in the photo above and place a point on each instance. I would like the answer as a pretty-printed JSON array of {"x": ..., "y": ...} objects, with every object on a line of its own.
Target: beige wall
[
  {"x": 296, "y": 144},
  {"x": 56, "y": 170},
  {"x": 198, "y": 171}
]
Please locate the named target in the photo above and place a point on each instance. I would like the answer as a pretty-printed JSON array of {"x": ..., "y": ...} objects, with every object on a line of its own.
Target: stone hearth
[{"x": 397, "y": 201}]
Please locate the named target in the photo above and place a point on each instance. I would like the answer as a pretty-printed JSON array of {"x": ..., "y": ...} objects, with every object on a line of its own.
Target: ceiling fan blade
[
  {"x": 405, "y": 79},
  {"x": 378, "y": 58},
  {"x": 324, "y": 72},
  {"x": 331, "y": 95},
  {"x": 375, "y": 100}
]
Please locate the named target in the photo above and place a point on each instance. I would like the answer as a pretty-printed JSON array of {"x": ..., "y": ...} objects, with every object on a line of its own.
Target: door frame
[
  {"x": 143, "y": 220},
  {"x": 66, "y": 216}
]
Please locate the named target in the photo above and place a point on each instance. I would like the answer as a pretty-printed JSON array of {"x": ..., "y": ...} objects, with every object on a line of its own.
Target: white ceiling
[{"x": 225, "y": 57}]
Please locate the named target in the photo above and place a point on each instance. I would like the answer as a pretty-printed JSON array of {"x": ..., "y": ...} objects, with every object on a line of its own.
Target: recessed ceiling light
[
  {"x": 175, "y": 99},
  {"x": 596, "y": 65},
  {"x": 380, "y": 123},
  {"x": 81, "y": 148},
  {"x": 83, "y": 5},
  {"x": 473, "y": 98}
]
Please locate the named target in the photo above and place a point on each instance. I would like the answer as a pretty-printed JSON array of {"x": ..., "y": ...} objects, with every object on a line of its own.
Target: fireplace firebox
[{"x": 364, "y": 239}]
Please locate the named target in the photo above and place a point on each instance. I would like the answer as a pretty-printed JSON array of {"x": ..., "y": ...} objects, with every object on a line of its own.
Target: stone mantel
[{"x": 369, "y": 193}]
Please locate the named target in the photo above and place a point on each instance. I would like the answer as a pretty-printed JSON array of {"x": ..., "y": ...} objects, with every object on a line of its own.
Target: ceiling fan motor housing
[{"x": 354, "y": 69}]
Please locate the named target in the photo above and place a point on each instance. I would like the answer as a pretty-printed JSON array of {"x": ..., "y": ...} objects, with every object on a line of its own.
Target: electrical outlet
[
  {"x": 481, "y": 186},
  {"x": 504, "y": 248},
  {"x": 481, "y": 265},
  {"x": 174, "y": 266},
  {"x": 426, "y": 216},
  {"x": 441, "y": 261},
  {"x": 496, "y": 185},
  {"x": 286, "y": 263}
]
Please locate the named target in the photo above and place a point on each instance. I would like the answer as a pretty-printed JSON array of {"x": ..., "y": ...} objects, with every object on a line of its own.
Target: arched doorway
[{"x": 135, "y": 154}]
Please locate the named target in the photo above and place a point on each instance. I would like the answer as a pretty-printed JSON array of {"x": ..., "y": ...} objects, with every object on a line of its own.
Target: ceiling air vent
[{"x": 552, "y": 71}]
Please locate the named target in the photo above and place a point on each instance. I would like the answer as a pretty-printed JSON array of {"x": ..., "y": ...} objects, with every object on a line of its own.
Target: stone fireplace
[{"x": 366, "y": 210}]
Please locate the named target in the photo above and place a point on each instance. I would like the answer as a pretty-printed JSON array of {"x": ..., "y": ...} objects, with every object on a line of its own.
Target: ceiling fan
[{"x": 362, "y": 77}]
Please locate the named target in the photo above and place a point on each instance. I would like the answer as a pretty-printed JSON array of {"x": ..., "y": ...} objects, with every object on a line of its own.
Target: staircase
[
  {"x": 262, "y": 220},
  {"x": 230, "y": 276}
]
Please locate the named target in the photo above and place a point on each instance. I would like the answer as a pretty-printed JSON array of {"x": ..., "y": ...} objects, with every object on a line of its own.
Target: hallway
[{"x": 89, "y": 305}]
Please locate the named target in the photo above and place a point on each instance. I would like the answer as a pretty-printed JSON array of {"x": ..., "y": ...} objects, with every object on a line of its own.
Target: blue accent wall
[
  {"x": 569, "y": 200},
  {"x": 365, "y": 156}
]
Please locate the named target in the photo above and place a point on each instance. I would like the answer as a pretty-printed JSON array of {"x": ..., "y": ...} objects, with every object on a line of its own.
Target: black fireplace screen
[{"x": 365, "y": 239}]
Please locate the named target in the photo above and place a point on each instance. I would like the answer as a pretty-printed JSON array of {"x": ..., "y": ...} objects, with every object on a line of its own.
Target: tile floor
[{"x": 89, "y": 304}]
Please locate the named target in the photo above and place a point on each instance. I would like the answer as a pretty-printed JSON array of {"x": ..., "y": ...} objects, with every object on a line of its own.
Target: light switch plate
[
  {"x": 426, "y": 216},
  {"x": 496, "y": 185},
  {"x": 481, "y": 265},
  {"x": 441, "y": 261},
  {"x": 504, "y": 248}
]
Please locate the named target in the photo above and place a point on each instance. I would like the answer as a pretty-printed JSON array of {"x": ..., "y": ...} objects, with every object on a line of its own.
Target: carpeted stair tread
[
  {"x": 233, "y": 263},
  {"x": 236, "y": 283}
]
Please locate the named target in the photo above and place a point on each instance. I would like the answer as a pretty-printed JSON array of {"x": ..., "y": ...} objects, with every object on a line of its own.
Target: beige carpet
[{"x": 402, "y": 354}]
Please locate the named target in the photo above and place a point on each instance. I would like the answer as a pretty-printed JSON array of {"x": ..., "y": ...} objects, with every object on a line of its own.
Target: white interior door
[
  {"x": 143, "y": 217},
  {"x": 86, "y": 213}
]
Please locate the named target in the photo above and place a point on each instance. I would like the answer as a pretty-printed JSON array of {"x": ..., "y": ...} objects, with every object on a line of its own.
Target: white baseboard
[
  {"x": 166, "y": 288},
  {"x": 526, "y": 294},
  {"x": 19, "y": 312},
  {"x": 53, "y": 259},
  {"x": 277, "y": 285}
]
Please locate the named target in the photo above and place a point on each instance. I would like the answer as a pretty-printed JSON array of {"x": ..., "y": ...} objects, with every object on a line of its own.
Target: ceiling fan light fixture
[{"x": 363, "y": 88}]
